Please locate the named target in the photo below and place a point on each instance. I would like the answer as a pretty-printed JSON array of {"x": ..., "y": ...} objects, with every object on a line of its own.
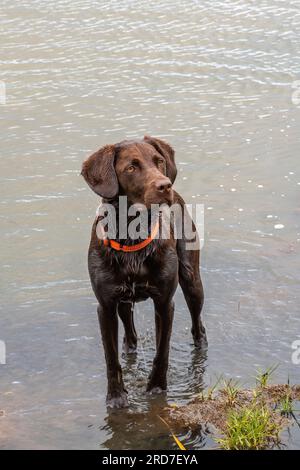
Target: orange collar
[{"x": 130, "y": 248}]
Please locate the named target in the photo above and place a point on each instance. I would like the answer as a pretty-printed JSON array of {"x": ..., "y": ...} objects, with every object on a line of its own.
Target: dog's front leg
[
  {"x": 164, "y": 313},
  {"x": 116, "y": 393}
]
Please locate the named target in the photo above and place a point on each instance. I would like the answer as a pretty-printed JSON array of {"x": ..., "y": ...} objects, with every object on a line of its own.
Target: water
[{"x": 215, "y": 80}]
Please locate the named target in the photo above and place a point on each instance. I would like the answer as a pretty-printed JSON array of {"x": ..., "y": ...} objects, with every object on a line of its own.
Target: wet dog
[{"x": 123, "y": 272}]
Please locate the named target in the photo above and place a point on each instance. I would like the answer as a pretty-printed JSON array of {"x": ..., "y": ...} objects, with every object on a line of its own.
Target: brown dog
[{"x": 144, "y": 171}]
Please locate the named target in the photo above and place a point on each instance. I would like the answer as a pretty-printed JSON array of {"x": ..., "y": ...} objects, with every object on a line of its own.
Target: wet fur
[{"x": 120, "y": 279}]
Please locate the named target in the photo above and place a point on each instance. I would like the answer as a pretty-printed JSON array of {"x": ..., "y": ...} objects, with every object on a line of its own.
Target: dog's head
[{"x": 144, "y": 171}]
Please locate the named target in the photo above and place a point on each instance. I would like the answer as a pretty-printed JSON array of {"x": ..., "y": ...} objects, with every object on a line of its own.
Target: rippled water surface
[{"x": 215, "y": 79}]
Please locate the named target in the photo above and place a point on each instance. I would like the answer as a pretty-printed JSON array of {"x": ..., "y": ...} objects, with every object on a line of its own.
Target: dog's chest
[
  {"x": 136, "y": 287},
  {"x": 133, "y": 292}
]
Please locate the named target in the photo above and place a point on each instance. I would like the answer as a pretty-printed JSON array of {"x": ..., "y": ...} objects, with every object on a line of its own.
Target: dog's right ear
[
  {"x": 99, "y": 172},
  {"x": 167, "y": 152}
]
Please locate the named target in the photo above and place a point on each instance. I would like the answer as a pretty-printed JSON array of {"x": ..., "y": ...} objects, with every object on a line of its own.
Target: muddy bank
[{"x": 223, "y": 412}]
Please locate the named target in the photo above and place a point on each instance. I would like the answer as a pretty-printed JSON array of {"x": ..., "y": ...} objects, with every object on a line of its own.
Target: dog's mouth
[
  {"x": 154, "y": 205},
  {"x": 159, "y": 199},
  {"x": 167, "y": 200}
]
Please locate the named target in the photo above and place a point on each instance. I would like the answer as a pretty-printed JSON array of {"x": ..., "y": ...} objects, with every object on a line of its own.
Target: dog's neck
[{"x": 124, "y": 219}]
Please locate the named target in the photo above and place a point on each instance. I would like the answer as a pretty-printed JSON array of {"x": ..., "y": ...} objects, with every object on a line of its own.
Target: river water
[{"x": 215, "y": 79}]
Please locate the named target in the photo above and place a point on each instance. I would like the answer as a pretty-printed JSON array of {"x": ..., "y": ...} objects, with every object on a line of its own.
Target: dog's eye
[
  {"x": 130, "y": 169},
  {"x": 161, "y": 161}
]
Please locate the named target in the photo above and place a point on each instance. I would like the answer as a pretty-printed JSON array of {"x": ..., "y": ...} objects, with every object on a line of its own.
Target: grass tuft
[
  {"x": 231, "y": 389},
  {"x": 262, "y": 377},
  {"x": 286, "y": 406},
  {"x": 243, "y": 418},
  {"x": 249, "y": 428},
  {"x": 209, "y": 392}
]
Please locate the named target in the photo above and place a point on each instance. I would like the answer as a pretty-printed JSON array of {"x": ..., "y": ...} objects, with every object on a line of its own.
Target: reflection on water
[
  {"x": 142, "y": 419},
  {"x": 216, "y": 80}
]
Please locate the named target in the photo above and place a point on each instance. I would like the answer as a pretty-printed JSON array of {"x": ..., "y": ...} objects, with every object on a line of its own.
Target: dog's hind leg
[
  {"x": 188, "y": 252},
  {"x": 125, "y": 311},
  {"x": 191, "y": 284}
]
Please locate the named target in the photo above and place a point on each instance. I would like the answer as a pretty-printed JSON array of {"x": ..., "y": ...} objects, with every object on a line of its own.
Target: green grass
[
  {"x": 286, "y": 406},
  {"x": 249, "y": 428},
  {"x": 231, "y": 388},
  {"x": 262, "y": 377},
  {"x": 208, "y": 393},
  {"x": 245, "y": 419}
]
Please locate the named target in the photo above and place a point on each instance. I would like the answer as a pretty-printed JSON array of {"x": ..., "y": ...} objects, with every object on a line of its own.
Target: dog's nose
[{"x": 163, "y": 185}]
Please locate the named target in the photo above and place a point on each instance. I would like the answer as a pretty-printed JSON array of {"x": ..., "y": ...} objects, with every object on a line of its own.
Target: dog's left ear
[{"x": 167, "y": 152}]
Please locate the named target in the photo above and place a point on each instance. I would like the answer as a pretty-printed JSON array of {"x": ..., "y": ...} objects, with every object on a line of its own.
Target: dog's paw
[
  {"x": 200, "y": 338},
  {"x": 156, "y": 385},
  {"x": 128, "y": 348},
  {"x": 156, "y": 390},
  {"x": 117, "y": 401},
  {"x": 201, "y": 343}
]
